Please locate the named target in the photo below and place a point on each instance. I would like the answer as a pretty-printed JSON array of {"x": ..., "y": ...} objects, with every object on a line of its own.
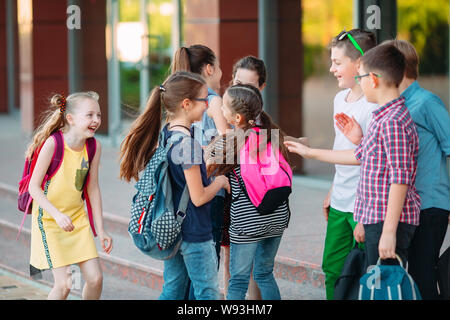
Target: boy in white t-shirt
[{"x": 346, "y": 50}]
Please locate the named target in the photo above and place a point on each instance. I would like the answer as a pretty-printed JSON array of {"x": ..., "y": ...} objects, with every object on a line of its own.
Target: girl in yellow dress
[{"x": 61, "y": 233}]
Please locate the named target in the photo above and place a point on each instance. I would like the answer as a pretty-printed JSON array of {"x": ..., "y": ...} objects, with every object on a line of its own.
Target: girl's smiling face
[{"x": 86, "y": 117}]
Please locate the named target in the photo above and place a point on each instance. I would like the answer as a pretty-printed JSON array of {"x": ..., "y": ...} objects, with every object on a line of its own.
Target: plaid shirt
[{"x": 388, "y": 154}]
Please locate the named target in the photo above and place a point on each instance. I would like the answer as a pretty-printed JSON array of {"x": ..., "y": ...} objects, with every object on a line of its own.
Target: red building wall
[{"x": 3, "y": 74}]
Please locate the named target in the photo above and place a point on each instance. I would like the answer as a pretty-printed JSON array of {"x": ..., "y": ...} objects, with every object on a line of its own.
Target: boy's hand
[
  {"x": 386, "y": 246},
  {"x": 349, "y": 127},
  {"x": 359, "y": 233},
  {"x": 299, "y": 148}
]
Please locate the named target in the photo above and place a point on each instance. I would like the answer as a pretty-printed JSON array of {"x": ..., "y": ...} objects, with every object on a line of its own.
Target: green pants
[{"x": 339, "y": 242}]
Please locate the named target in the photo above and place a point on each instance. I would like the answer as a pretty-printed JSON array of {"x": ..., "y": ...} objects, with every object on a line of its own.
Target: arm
[
  {"x": 215, "y": 112},
  {"x": 42, "y": 164},
  {"x": 96, "y": 200},
  {"x": 198, "y": 193},
  {"x": 345, "y": 157},
  {"x": 387, "y": 244}
]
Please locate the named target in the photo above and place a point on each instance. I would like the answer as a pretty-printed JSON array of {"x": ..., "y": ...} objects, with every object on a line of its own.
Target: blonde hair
[{"x": 55, "y": 119}]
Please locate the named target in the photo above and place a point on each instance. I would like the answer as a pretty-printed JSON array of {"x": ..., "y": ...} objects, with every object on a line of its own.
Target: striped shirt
[
  {"x": 388, "y": 154},
  {"x": 247, "y": 224}
]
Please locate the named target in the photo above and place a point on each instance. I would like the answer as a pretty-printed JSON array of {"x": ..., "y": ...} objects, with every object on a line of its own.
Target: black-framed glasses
[
  {"x": 358, "y": 77},
  {"x": 202, "y": 99}
]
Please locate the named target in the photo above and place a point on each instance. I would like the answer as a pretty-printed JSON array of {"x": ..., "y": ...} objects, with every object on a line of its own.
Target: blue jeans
[
  {"x": 196, "y": 261},
  {"x": 260, "y": 255}
]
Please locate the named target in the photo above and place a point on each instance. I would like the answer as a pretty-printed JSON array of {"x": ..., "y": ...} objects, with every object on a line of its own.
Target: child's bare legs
[
  {"x": 92, "y": 273},
  {"x": 62, "y": 283},
  {"x": 226, "y": 269}
]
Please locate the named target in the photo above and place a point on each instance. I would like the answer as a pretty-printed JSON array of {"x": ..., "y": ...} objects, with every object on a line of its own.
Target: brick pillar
[
  {"x": 3, "y": 74},
  {"x": 94, "y": 68},
  {"x": 43, "y": 56},
  {"x": 228, "y": 27},
  {"x": 290, "y": 72},
  {"x": 43, "y": 41}
]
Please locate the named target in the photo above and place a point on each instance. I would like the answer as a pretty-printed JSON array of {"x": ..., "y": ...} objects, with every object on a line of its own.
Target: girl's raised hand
[{"x": 349, "y": 127}]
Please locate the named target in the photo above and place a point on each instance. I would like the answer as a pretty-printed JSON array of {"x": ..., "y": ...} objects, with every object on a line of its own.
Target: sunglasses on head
[{"x": 347, "y": 34}]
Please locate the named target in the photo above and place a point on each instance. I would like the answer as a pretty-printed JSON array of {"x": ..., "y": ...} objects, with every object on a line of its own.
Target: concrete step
[{"x": 128, "y": 267}]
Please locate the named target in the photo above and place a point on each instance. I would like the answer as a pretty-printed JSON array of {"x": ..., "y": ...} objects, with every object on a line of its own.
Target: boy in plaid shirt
[{"x": 387, "y": 203}]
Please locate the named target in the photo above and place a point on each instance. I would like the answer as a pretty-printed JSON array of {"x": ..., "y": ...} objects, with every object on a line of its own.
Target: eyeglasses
[
  {"x": 344, "y": 34},
  {"x": 358, "y": 77},
  {"x": 202, "y": 99}
]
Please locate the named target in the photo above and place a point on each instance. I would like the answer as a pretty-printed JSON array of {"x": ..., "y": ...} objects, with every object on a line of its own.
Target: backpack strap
[
  {"x": 58, "y": 155},
  {"x": 91, "y": 146},
  {"x": 184, "y": 201}
]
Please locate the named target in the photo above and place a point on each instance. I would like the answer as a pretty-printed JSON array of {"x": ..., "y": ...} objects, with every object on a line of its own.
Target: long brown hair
[
  {"x": 193, "y": 59},
  {"x": 247, "y": 101},
  {"x": 54, "y": 118},
  {"x": 140, "y": 143}
]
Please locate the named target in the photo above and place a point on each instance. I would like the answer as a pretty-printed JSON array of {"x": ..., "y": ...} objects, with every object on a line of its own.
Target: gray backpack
[{"x": 154, "y": 226}]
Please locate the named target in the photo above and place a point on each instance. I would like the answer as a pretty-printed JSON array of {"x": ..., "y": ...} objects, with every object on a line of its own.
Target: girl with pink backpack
[{"x": 254, "y": 159}]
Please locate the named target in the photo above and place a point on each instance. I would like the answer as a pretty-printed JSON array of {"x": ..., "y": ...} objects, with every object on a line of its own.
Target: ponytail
[
  {"x": 139, "y": 145},
  {"x": 267, "y": 123},
  {"x": 193, "y": 59},
  {"x": 181, "y": 60},
  {"x": 53, "y": 120}
]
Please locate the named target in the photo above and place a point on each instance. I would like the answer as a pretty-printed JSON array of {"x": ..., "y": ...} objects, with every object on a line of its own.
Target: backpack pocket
[{"x": 166, "y": 229}]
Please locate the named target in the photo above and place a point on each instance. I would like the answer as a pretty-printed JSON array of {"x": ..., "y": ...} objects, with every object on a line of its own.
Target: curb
[{"x": 285, "y": 268}]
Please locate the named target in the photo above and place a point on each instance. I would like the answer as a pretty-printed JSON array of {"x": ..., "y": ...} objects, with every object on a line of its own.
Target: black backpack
[
  {"x": 347, "y": 285},
  {"x": 444, "y": 275}
]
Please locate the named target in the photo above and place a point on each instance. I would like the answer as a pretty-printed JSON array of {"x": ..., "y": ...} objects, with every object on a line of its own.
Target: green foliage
[
  {"x": 424, "y": 23},
  {"x": 159, "y": 50}
]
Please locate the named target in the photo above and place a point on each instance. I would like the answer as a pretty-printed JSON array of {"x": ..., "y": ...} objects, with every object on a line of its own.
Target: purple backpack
[
  {"x": 24, "y": 201},
  {"x": 267, "y": 175}
]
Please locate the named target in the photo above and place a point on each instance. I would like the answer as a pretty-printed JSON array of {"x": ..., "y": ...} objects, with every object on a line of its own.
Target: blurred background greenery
[{"x": 424, "y": 23}]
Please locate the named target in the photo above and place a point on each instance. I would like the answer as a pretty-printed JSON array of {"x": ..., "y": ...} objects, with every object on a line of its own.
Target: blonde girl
[{"x": 61, "y": 233}]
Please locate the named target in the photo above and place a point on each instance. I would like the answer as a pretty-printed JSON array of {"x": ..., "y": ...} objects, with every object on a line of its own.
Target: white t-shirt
[{"x": 346, "y": 177}]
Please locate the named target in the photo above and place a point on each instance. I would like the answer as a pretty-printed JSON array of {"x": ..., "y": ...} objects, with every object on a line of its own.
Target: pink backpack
[
  {"x": 267, "y": 175},
  {"x": 24, "y": 199}
]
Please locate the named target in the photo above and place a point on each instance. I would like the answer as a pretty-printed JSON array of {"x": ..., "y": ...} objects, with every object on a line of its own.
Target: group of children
[{"x": 391, "y": 190}]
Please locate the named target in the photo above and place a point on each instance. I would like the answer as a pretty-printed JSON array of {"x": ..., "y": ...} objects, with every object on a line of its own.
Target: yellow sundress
[{"x": 51, "y": 246}]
